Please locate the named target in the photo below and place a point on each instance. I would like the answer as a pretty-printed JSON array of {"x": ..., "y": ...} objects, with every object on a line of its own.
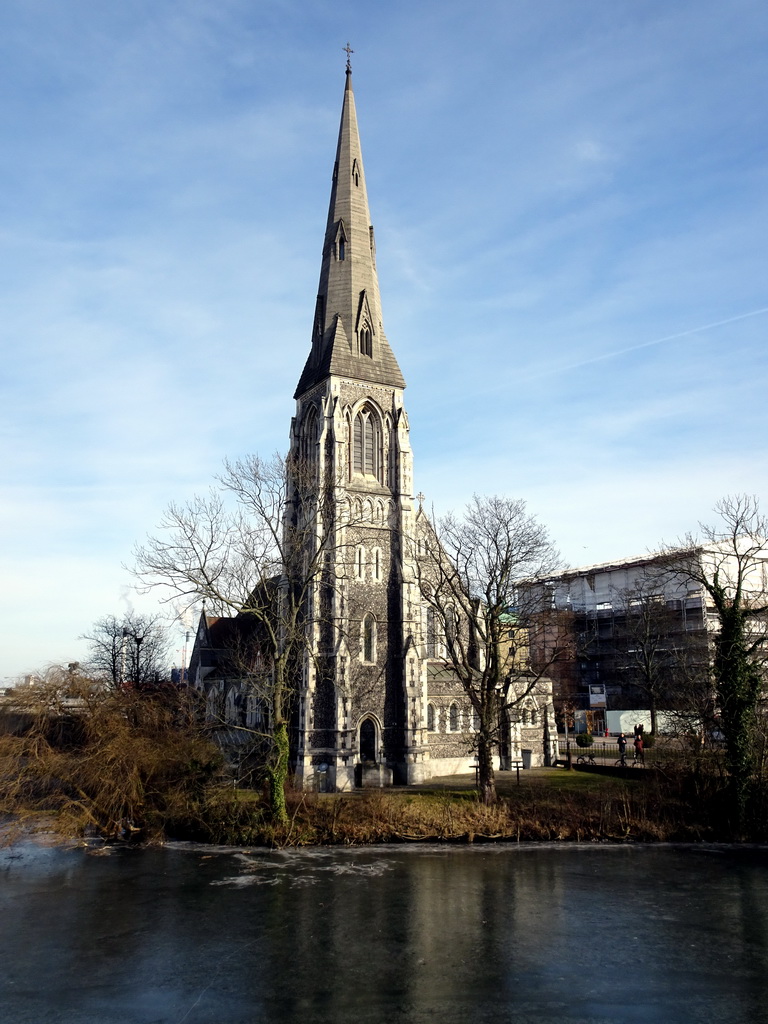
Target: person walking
[
  {"x": 622, "y": 744},
  {"x": 639, "y": 752}
]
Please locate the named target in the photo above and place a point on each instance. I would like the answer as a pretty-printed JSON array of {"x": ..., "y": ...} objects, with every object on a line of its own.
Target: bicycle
[
  {"x": 586, "y": 759},
  {"x": 624, "y": 762}
]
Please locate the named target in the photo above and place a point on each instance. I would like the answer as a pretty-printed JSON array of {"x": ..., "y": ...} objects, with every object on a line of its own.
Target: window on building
[
  {"x": 366, "y": 443},
  {"x": 360, "y": 562},
  {"x": 431, "y": 644},
  {"x": 230, "y": 707},
  {"x": 369, "y": 638},
  {"x": 431, "y": 717},
  {"x": 376, "y": 564},
  {"x": 450, "y": 626},
  {"x": 213, "y": 705},
  {"x": 309, "y": 437},
  {"x": 453, "y": 718},
  {"x": 366, "y": 340}
]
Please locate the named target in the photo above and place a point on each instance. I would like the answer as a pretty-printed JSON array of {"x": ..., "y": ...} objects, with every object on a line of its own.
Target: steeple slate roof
[{"x": 348, "y": 337}]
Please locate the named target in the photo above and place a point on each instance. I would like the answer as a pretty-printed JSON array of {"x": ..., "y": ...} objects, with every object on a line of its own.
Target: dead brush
[{"x": 117, "y": 764}]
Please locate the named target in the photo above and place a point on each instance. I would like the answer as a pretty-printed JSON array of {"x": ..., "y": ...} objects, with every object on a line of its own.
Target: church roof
[{"x": 348, "y": 337}]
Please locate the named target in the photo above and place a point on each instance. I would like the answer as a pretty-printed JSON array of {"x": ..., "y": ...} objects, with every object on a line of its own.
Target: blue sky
[{"x": 570, "y": 206}]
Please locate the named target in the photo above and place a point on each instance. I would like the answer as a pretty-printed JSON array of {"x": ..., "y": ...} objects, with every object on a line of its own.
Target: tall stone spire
[{"x": 348, "y": 337}]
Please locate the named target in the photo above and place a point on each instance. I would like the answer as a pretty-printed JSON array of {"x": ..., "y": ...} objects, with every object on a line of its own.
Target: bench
[{"x": 515, "y": 762}]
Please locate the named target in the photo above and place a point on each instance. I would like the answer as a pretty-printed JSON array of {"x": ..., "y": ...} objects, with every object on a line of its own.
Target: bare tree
[
  {"x": 729, "y": 562},
  {"x": 478, "y": 578},
  {"x": 691, "y": 708},
  {"x": 664, "y": 653},
  {"x": 132, "y": 650},
  {"x": 649, "y": 643},
  {"x": 261, "y": 558}
]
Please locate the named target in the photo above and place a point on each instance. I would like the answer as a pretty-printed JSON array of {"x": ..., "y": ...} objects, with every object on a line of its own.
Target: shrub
[
  {"x": 584, "y": 739},
  {"x": 114, "y": 763}
]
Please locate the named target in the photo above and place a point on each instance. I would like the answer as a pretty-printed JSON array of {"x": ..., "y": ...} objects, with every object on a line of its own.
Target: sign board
[{"x": 597, "y": 695}]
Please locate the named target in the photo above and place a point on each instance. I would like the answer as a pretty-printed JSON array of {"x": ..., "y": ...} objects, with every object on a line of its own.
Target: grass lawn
[{"x": 554, "y": 779}]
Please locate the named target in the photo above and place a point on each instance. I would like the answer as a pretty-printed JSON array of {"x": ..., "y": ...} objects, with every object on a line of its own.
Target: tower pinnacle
[{"x": 348, "y": 337}]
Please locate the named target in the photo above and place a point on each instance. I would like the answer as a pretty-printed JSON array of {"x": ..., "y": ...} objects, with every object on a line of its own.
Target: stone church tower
[
  {"x": 374, "y": 699},
  {"x": 362, "y": 699}
]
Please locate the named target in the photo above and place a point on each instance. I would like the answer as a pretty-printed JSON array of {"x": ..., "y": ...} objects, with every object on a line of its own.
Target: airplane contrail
[
  {"x": 649, "y": 344},
  {"x": 680, "y": 334}
]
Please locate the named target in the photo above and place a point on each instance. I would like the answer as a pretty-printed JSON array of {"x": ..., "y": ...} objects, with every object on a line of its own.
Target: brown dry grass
[
  {"x": 132, "y": 765},
  {"x": 116, "y": 764},
  {"x": 554, "y": 806}
]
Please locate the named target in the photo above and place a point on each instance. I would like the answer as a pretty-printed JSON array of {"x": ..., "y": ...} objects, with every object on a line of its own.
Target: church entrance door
[{"x": 367, "y": 741}]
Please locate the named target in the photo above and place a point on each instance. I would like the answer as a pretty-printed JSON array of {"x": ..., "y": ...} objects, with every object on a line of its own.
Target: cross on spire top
[{"x": 349, "y": 51}]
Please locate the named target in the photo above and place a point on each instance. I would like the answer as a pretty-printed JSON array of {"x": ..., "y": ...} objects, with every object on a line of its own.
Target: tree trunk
[
  {"x": 738, "y": 688},
  {"x": 278, "y": 773},
  {"x": 486, "y": 781}
]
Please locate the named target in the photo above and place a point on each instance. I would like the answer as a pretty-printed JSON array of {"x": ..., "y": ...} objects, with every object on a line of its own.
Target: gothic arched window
[
  {"x": 369, "y": 638},
  {"x": 366, "y": 443},
  {"x": 453, "y": 718},
  {"x": 309, "y": 437},
  {"x": 366, "y": 340},
  {"x": 431, "y": 717},
  {"x": 348, "y": 434},
  {"x": 341, "y": 241},
  {"x": 376, "y": 564},
  {"x": 360, "y": 562},
  {"x": 431, "y": 633},
  {"x": 450, "y": 626}
]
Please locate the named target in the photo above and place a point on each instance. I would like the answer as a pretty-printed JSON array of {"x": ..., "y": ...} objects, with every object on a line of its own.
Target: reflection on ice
[
  {"x": 299, "y": 869},
  {"x": 539, "y": 934}
]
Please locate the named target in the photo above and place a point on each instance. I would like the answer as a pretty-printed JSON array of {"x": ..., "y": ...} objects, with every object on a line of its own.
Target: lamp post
[
  {"x": 568, "y": 709},
  {"x": 121, "y": 680},
  {"x": 139, "y": 640},
  {"x": 187, "y": 636}
]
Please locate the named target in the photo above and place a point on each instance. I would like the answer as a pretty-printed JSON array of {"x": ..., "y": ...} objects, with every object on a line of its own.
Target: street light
[
  {"x": 187, "y": 636},
  {"x": 139, "y": 640},
  {"x": 125, "y": 636}
]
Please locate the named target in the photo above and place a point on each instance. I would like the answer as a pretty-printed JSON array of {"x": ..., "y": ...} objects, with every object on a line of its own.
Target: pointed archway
[{"x": 368, "y": 744}]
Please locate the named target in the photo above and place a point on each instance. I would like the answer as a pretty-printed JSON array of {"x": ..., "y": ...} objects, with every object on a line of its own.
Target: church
[{"x": 374, "y": 701}]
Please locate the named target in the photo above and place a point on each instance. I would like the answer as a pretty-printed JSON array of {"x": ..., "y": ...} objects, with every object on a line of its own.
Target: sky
[{"x": 571, "y": 212}]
